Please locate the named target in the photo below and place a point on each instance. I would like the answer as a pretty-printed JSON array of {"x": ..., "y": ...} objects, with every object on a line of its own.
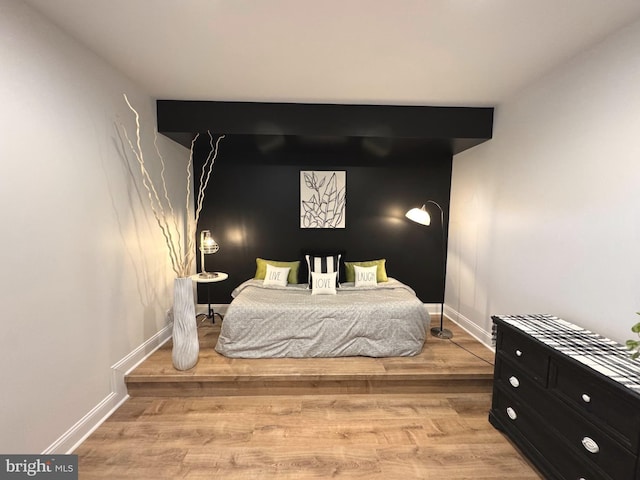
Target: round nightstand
[{"x": 218, "y": 277}]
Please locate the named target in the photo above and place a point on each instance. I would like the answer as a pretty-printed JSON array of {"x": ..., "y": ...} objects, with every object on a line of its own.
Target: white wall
[
  {"x": 85, "y": 275},
  {"x": 545, "y": 217}
]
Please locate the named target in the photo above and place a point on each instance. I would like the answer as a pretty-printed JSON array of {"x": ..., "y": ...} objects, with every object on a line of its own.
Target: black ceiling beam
[{"x": 461, "y": 127}]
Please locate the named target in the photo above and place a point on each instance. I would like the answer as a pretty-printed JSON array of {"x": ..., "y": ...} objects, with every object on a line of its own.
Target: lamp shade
[
  {"x": 419, "y": 215},
  {"x": 207, "y": 243}
]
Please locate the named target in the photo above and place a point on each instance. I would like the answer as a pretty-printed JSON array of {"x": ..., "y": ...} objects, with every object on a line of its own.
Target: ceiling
[{"x": 404, "y": 52}]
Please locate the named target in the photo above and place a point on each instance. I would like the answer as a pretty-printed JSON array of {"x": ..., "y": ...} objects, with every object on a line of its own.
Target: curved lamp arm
[{"x": 441, "y": 214}]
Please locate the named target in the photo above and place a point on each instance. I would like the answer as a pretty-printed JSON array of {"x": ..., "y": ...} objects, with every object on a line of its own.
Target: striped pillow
[{"x": 324, "y": 264}]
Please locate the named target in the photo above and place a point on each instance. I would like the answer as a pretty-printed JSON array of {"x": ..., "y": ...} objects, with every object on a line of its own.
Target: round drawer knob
[
  {"x": 590, "y": 445},
  {"x": 515, "y": 383},
  {"x": 518, "y": 353},
  {"x": 586, "y": 398},
  {"x": 512, "y": 413}
]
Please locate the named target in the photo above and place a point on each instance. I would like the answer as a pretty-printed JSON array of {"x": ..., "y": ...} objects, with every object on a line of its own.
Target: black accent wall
[
  {"x": 252, "y": 205},
  {"x": 395, "y": 158}
]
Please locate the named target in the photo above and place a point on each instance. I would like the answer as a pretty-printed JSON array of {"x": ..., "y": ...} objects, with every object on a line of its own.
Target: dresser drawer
[
  {"x": 594, "y": 398},
  {"x": 524, "y": 352},
  {"x": 531, "y": 432},
  {"x": 518, "y": 382},
  {"x": 588, "y": 440}
]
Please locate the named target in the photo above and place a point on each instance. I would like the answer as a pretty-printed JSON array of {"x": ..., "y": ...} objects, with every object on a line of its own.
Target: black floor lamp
[{"x": 421, "y": 216}]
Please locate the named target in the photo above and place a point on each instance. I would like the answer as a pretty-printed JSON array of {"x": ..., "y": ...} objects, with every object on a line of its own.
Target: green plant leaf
[{"x": 636, "y": 328}]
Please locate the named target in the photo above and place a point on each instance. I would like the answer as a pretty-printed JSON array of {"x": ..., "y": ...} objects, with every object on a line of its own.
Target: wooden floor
[{"x": 410, "y": 418}]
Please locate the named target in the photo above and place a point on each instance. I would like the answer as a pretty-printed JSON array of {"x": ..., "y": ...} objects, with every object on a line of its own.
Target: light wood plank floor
[{"x": 443, "y": 435}]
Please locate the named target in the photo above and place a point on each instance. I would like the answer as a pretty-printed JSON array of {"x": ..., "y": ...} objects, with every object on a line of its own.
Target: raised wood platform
[{"x": 458, "y": 366}]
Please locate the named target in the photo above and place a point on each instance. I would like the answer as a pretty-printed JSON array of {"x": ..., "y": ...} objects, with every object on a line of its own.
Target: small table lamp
[{"x": 207, "y": 245}]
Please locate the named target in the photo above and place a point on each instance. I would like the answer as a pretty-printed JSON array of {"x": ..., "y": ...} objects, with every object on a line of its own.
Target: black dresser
[{"x": 567, "y": 397}]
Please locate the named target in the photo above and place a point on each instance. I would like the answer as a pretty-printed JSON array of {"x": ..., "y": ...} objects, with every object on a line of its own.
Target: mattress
[{"x": 386, "y": 320}]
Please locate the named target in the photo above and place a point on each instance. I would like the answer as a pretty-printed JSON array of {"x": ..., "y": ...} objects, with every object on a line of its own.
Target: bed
[{"x": 267, "y": 321}]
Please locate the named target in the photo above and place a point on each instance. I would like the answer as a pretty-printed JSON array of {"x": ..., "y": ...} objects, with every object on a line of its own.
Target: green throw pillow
[
  {"x": 350, "y": 273},
  {"x": 261, "y": 269}
]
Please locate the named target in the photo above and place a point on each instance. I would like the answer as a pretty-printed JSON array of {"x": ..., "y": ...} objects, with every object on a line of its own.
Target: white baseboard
[
  {"x": 433, "y": 308},
  {"x": 73, "y": 437},
  {"x": 470, "y": 327},
  {"x": 68, "y": 442},
  {"x": 136, "y": 357}
]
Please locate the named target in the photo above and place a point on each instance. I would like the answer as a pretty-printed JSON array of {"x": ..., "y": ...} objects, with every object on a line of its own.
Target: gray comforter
[{"x": 266, "y": 322}]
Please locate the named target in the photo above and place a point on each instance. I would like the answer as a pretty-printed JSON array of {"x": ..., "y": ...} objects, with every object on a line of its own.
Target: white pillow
[
  {"x": 323, "y": 283},
  {"x": 276, "y": 276},
  {"x": 366, "y": 276}
]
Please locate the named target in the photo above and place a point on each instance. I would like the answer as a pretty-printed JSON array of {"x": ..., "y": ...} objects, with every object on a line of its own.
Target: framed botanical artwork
[{"x": 323, "y": 199}]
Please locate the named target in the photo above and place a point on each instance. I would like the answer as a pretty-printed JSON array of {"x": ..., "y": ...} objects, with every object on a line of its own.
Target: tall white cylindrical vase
[{"x": 185, "y": 329}]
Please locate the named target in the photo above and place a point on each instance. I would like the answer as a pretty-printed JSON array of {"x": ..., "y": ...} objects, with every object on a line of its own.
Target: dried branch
[
  {"x": 191, "y": 226},
  {"x": 166, "y": 194},
  {"x": 181, "y": 256}
]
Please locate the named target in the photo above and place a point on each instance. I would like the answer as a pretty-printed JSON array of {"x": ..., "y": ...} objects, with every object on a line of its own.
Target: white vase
[{"x": 185, "y": 329}]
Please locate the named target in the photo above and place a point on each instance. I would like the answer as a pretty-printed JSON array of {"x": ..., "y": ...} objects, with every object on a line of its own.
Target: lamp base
[
  {"x": 441, "y": 333},
  {"x": 207, "y": 275}
]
